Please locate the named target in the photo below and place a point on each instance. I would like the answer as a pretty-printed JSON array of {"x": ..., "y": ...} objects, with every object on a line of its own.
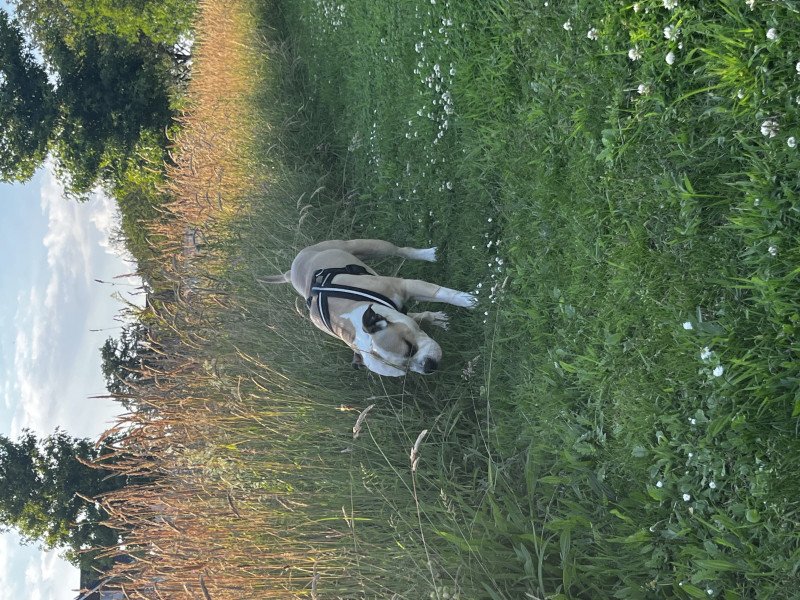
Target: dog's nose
[{"x": 430, "y": 365}]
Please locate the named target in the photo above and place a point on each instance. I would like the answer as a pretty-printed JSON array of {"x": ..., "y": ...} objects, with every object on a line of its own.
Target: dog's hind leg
[{"x": 378, "y": 249}]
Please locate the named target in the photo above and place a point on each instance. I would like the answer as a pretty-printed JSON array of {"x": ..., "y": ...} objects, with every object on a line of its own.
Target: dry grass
[
  {"x": 213, "y": 171},
  {"x": 188, "y": 526}
]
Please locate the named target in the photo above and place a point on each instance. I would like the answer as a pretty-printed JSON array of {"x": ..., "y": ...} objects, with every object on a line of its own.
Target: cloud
[
  {"x": 56, "y": 357},
  {"x": 49, "y": 577},
  {"x": 7, "y": 581},
  {"x": 28, "y": 572}
]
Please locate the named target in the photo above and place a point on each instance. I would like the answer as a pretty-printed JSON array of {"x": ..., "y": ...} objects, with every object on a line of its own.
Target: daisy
[
  {"x": 634, "y": 54},
  {"x": 770, "y": 128}
]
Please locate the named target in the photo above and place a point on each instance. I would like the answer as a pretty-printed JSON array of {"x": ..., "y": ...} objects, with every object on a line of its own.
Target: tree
[
  {"x": 28, "y": 108},
  {"x": 110, "y": 94},
  {"x": 46, "y": 492},
  {"x": 114, "y": 64},
  {"x": 125, "y": 360}
]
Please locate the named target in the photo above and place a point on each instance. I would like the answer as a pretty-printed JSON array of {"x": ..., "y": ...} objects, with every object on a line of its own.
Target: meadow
[{"x": 618, "y": 183}]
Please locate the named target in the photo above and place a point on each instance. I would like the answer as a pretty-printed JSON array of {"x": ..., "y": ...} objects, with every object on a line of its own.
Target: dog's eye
[{"x": 410, "y": 350}]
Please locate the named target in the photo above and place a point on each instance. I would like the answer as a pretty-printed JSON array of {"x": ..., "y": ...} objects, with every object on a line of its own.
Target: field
[{"x": 618, "y": 419}]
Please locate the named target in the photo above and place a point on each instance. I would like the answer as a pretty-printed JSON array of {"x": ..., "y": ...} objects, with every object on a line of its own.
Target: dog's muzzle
[{"x": 429, "y": 366}]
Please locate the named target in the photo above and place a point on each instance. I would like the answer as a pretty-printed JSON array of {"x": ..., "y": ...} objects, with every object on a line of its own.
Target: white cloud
[
  {"x": 27, "y": 572},
  {"x": 48, "y": 577},
  {"x": 7, "y": 582},
  {"x": 56, "y": 357}
]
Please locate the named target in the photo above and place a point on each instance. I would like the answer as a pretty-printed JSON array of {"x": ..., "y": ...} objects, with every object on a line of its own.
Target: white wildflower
[
  {"x": 659, "y": 484},
  {"x": 643, "y": 89},
  {"x": 751, "y": 4},
  {"x": 567, "y": 26},
  {"x": 770, "y": 128},
  {"x": 686, "y": 497},
  {"x": 670, "y": 4},
  {"x": 797, "y": 67},
  {"x": 670, "y": 58},
  {"x": 718, "y": 370},
  {"x": 592, "y": 34},
  {"x": 706, "y": 353},
  {"x": 772, "y": 34},
  {"x": 669, "y": 32},
  {"x": 773, "y": 250},
  {"x": 688, "y": 326},
  {"x": 692, "y": 421},
  {"x": 791, "y": 142},
  {"x": 712, "y": 485},
  {"x": 636, "y": 7},
  {"x": 634, "y": 54}
]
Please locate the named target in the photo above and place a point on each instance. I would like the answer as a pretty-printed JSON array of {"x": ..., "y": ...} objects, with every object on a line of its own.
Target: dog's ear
[
  {"x": 372, "y": 321},
  {"x": 357, "y": 362}
]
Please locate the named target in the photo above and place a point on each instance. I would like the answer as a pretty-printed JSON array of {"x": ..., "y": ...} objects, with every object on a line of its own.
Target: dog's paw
[
  {"x": 465, "y": 300},
  {"x": 428, "y": 254},
  {"x": 440, "y": 319}
]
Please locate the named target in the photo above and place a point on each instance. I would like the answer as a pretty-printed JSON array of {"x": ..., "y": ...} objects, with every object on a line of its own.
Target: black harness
[{"x": 322, "y": 288}]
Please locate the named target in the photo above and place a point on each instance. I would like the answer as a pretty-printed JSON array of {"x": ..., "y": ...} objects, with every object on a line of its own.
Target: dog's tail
[{"x": 285, "y": 278}]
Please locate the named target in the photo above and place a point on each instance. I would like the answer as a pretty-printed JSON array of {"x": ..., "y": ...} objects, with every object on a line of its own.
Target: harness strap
[{"x": 322, "y": 288}]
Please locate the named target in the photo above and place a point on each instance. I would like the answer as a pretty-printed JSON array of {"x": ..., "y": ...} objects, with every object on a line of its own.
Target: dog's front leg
[{"x": 416, "y": 289}]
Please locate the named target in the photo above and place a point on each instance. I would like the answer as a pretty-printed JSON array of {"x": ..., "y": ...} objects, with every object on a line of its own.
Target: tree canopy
[
  {"x": 112, "y": 65},
  {"x": 27, "y": 106},
  {"x": 46, "y": 491}
]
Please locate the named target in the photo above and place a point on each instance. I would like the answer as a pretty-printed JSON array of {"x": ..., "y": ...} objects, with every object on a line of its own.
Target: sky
[{"x": 54, "y": 316}]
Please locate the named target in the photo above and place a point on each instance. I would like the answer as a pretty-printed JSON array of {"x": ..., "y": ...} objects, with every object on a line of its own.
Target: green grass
[{"x": 618, "y": 419}]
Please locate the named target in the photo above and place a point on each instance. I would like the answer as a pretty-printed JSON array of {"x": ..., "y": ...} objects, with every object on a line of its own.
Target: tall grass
[{"x": 617, "y": 420}]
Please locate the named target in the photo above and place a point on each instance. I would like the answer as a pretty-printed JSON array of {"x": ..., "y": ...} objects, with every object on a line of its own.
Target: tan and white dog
[{"x": 350, "y": 301}]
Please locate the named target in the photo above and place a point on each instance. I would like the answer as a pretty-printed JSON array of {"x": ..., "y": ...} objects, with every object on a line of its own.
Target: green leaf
[
  {"x": 716, "y": 564},
  {"x": 693, "y": 591}
]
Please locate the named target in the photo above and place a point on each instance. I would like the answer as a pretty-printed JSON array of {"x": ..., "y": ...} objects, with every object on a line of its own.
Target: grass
[{"x": 618, "y": 419}]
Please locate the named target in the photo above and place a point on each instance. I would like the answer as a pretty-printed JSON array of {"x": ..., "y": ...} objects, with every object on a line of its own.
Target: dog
[{"x": 350, "y": 301}]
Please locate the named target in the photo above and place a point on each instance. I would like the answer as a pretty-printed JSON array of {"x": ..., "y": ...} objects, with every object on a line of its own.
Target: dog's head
[{"x": 390, "y": 343}]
